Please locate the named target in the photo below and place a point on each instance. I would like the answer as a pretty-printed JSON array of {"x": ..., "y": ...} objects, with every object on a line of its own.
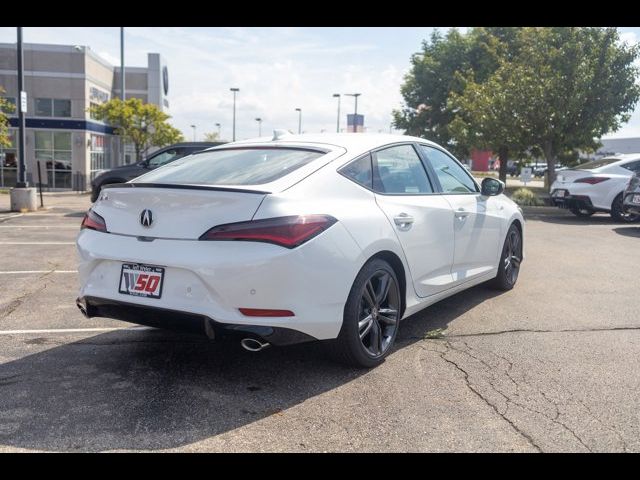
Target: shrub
[{"x": 525, "y": 197}]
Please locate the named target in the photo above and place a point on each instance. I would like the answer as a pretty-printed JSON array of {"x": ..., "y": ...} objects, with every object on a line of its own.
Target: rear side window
[
  {"x": 238, "y": 166},
  {"x": 399, "y": 170},
  {"x": 633, "y": 166},
  {"x": 359, "y": 171}
]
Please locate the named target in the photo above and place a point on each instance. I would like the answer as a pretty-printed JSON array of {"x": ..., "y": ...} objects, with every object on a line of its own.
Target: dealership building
[{"x": 62, "y": 82}]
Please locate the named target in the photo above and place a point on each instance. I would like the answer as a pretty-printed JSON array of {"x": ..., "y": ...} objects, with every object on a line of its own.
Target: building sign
[
  {"x": 98, "y": 95},
  {"x": 165, "y": 80},
  {"x": 355, "y": 123},
  {"x": 23, "y": 102}
]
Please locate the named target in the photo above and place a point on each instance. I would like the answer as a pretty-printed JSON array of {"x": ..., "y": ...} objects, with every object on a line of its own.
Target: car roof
[{"x": 353, "y": 143}]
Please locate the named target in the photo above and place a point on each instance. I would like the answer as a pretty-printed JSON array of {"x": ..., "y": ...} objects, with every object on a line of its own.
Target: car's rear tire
[
  {"x": 619, "y": 214},
  {"x": 582, "y": 212},
  {"x": 510, "y": 259},
  {"x": 371, "y": 317}
]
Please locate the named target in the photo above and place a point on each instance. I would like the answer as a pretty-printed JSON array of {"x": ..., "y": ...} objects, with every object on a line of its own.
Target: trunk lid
[{"x": 176, "y": 211}]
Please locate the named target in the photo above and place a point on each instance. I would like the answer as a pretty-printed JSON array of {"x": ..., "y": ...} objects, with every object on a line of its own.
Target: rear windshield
[
  {"x": 597, "y": 163},
  {"x": 238, "y": 166}
]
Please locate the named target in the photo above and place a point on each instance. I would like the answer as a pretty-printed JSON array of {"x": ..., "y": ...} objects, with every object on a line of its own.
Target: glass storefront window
[{"x": 54, "y": 150}]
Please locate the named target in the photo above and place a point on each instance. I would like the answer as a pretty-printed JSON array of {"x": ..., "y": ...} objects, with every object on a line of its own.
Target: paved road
[{"x": 553, "y": 365}]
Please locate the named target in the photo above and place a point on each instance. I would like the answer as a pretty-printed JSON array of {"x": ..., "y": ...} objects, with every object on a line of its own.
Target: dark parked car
[
  {"x": 632, "y": 195},
  {"x": 161, "y": 157}
]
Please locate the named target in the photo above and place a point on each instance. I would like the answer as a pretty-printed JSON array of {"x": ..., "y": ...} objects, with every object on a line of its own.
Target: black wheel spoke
[
  {"x": 383, "y": 288},
  {"x": 369, "y": 294}
]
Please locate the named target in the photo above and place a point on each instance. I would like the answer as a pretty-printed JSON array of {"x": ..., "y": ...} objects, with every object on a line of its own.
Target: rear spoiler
[{"x": 184, "y": 186}]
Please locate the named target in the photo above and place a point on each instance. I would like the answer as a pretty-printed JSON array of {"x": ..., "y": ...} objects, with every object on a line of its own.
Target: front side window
[
  {"x": 399, "y": 170},
  {"x": 237, "y": 166},
  {"x": 453, "y": 178}
]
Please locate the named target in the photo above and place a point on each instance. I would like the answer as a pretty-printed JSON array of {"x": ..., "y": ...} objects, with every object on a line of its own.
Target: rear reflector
[
  {"x": 288, "y": 232},
  {"x": 264, "y": 312},
  {"x": 591, "y": 180},
  {"x": 93, "y": 221}
]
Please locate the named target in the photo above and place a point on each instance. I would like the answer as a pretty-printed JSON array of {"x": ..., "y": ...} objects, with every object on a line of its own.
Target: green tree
[
  {"x": 442, "y": 68},
  {"x": 5, "y": 108},
  {"x": 556, "y": 92},
  {"x": 142, "y": 124},
  {"x": 211, "y": 137},
  {"x": 582, "y": 86}
]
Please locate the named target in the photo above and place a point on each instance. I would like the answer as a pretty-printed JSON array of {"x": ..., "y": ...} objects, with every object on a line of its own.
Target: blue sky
[{"x": 276, "y": 69}]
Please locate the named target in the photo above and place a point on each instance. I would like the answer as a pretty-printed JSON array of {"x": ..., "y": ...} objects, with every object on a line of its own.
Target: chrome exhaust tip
[
  {"x": 253, "y": 345},
  {"x": 83, "y": 308}
]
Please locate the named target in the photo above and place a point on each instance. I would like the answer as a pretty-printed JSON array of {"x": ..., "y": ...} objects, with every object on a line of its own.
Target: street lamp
[
  {"x": 259, "y": 120},
  {"x": 219, "y": 127},
  {"x": 194, "y": 132},
  {"x": 339, "y": 97},
  {"x": 355, "y": 113},
  {"x": 235, "y": 91},
  {"x": 299, "y": 110}
]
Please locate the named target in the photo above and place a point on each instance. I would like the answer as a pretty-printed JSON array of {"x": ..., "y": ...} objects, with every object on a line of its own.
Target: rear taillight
[
  {"x": 591, "y": 180},
  {"x": 288, "y": 232},
  {"x": 93, "y": 221}
]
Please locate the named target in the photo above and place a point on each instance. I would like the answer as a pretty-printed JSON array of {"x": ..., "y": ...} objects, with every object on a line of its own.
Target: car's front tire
[
  {"x": 510, "y": 259},
  {"x": 371, "y": 316},
  {"x": 619, "y": 213}
]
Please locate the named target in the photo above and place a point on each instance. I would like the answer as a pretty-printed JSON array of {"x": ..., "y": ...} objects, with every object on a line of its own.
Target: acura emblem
[{"x": 146, "y": 218}]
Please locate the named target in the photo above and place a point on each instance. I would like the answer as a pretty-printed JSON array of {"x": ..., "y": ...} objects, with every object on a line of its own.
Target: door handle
[
  {"x": 403, "y": 221},
  {"x": 461, "y": 214}
]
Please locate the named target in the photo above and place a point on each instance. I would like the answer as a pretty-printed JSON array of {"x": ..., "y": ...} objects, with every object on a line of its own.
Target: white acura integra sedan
[{"x": 297, "y": 237}]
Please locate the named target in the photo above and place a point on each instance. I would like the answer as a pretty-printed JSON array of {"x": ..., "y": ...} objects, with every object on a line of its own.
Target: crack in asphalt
[
  {"x": 524, "y": 330},
  {"x": 16, "y": 302},
  {"x": 554, "y": 418},
  {"x": 442, "y": 355}
]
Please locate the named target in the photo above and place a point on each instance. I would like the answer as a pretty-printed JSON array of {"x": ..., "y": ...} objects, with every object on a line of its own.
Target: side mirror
[{"x": 491, "y": 187}]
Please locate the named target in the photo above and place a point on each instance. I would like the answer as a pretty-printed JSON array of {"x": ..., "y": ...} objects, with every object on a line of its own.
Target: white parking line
[
  {"x": 18, "y": 272},
  {"x": 40, "y": 226},
  {"x": 71, "y": 330},
  {"x": 37, "y": 243}
]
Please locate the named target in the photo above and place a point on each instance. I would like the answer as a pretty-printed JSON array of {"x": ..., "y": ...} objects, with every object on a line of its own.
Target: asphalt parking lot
[{"x": 553, "y": 365}]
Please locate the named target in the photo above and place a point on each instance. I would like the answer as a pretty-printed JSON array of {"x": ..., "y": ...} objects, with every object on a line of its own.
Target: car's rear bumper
[
  {"x": 186, "y": 322},
  {"x": 572, "y": 201},
  {"x": 216, "y": 279}
]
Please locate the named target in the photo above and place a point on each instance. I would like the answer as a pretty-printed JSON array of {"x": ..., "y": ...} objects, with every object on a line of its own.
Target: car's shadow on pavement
[
  {"x": 630, "y": 231},
  {"x": 569, "y": 219},
  {"x": 154, "y": 389}
]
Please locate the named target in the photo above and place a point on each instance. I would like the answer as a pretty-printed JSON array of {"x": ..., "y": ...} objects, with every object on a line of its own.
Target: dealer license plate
[{"x": 141, "y": 280}]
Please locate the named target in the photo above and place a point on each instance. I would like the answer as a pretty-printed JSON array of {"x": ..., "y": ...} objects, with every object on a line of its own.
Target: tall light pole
[
  {"x": 123, "y": 96},
  {"x": 355, "y": 112},
  {"x": 194, "y": 132},
  {"x": 339, "y": 97},
  {"x": 219, "y": 127},
  {"x": 259, "y": 120},
  {"x": 235, "y": 91},
  {"x": 22, "y": 170},
  {"x": 299, "y": 110}
]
